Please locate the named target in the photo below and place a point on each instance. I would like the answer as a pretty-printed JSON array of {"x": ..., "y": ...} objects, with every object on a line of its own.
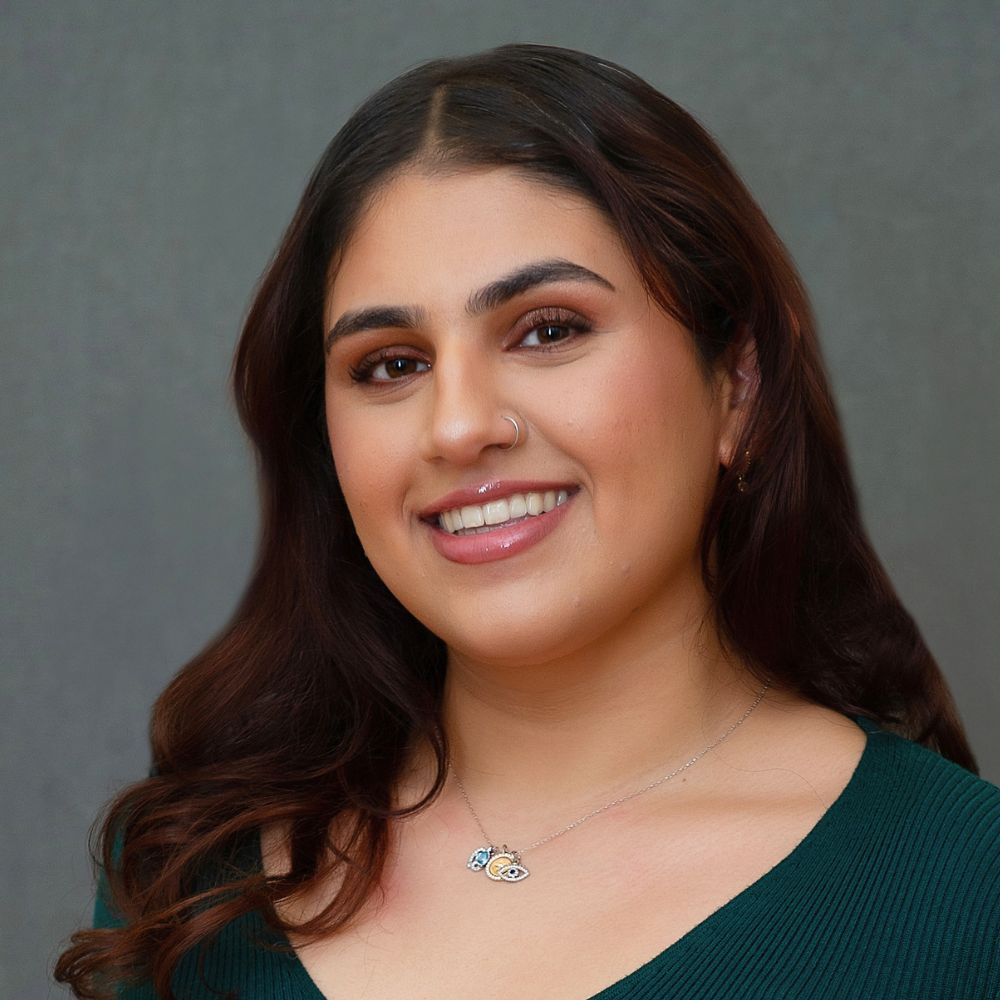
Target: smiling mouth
[{"x": 476, "y": 519}]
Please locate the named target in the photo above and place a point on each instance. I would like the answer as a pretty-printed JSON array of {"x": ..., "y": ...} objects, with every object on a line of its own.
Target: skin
[{"x": 585, "y": 666}]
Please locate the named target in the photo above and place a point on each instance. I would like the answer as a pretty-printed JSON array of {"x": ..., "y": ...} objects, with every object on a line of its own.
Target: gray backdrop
[{"x": 152, "y": 155}]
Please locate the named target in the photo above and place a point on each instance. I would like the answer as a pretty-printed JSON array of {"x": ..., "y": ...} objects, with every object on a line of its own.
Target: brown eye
[
  {"x": 398, "y": 367},
  {"x": 387, "y": 369},
  {"x": 550, "y": 329},
  {"x": 550, "y": 333}
]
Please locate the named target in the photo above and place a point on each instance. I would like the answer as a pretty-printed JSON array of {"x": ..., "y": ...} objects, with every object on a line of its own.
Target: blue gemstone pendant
[{"x": 480, "y": 857}]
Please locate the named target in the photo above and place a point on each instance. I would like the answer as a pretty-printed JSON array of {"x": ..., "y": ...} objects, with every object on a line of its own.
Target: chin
[{"x": 516, "y": 640}]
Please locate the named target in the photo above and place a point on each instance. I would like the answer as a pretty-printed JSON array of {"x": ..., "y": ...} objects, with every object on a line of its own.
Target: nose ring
[{"x": 517, "y": 434}]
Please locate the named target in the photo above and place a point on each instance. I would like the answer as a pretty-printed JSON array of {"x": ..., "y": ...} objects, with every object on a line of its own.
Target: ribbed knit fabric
[{"x": 893, "y": 895}]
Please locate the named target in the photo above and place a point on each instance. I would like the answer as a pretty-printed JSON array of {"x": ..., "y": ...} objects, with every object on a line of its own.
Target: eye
[
  {"x": 548, "y": 328},
  {"x": 551, "y": 333},
  {"x": 385, "y": 367}
]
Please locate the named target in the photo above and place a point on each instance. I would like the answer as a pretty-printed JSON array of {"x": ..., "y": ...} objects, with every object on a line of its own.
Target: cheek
[
  {"x": 653, "y": 415},
  {"x": 369, "y": 460},
  {"x": 652, "y": 450}
]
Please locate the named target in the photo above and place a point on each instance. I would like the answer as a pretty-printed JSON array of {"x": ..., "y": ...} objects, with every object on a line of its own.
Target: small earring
[
  {"x": 741, "y": 483},
  {"x": 517, "y": 434}
]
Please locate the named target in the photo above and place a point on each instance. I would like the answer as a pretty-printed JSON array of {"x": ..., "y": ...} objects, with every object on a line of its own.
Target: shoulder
[
  {"x": 942, "y": 821},
  {"x": 924, "y": 783}
]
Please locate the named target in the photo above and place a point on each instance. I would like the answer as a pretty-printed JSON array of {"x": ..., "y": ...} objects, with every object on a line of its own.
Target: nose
[{"x": 466, "y": 407}]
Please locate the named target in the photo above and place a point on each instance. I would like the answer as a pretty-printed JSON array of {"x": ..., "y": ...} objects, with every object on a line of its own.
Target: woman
[{"x": 567, "y": 668}]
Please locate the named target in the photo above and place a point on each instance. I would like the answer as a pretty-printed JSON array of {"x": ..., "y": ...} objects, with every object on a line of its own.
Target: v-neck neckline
[{"x": 814, "y": 840}]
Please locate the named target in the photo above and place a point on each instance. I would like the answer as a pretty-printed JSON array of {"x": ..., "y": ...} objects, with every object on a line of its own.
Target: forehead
[{"x": 425, "y": 236}]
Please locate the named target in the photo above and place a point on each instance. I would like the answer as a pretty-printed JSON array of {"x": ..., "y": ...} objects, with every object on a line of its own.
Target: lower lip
[{"x": 503, "y": 541}]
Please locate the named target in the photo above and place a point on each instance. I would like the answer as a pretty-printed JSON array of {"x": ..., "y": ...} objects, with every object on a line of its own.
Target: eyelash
[{"x": 533, "y": 322}]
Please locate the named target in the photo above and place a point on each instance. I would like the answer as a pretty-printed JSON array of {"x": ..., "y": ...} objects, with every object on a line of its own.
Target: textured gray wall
[{"x": 152, "y": 154}]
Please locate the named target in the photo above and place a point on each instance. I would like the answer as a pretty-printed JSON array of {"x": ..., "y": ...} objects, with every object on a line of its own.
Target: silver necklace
[{"x": 502, "y": 864}]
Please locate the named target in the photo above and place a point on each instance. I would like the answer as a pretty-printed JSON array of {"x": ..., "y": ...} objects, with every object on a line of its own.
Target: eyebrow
[{"x": 485, "y": 299}]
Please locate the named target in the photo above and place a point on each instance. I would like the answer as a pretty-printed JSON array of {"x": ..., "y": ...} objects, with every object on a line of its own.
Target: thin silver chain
[{"x": 645, "y": 788}]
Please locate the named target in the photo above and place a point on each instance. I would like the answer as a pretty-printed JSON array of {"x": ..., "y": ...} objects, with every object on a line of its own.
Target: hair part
[{"x": 301, "y": 712}]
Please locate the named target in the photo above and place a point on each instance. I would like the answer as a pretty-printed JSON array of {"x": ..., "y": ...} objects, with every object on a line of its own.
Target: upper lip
[{"x": 483, "y": 492}]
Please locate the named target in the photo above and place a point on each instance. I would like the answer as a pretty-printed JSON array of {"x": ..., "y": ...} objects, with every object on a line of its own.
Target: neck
[{"x": 536, "y": 743}]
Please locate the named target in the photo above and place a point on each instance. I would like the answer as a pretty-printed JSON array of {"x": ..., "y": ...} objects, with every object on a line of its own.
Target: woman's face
[{"x": 465, "y": 298}]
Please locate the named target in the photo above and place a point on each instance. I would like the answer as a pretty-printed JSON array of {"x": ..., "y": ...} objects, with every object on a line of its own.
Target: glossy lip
[
  {"x": 501, "y": 541},
  {"x": 493, "y": 489}
]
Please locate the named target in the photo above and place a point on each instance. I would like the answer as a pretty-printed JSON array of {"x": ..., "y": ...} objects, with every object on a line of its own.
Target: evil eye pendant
[
  {"x": 505, "y": 866},
  {"x": 514, "y": 873}
]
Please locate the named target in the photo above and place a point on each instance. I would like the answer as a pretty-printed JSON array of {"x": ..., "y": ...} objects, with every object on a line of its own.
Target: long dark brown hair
[{"x": 302, "y": 710}]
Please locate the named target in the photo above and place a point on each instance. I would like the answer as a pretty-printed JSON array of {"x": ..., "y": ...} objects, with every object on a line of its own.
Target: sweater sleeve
[{"x": 105, "y": 915}]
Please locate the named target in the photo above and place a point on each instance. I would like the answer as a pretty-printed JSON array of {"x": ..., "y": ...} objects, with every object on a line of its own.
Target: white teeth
[
  {"x": 477, "y": 518},
  {"x": 472, "y": 517},
  {"x": 496, "y": 512}
]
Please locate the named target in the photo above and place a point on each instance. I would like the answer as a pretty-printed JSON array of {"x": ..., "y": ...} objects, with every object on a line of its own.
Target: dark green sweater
[{"x": 895, "y": 893}]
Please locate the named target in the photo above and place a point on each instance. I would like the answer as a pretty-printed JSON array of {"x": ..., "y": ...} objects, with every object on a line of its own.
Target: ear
[{"x": 738, "y": 385}]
